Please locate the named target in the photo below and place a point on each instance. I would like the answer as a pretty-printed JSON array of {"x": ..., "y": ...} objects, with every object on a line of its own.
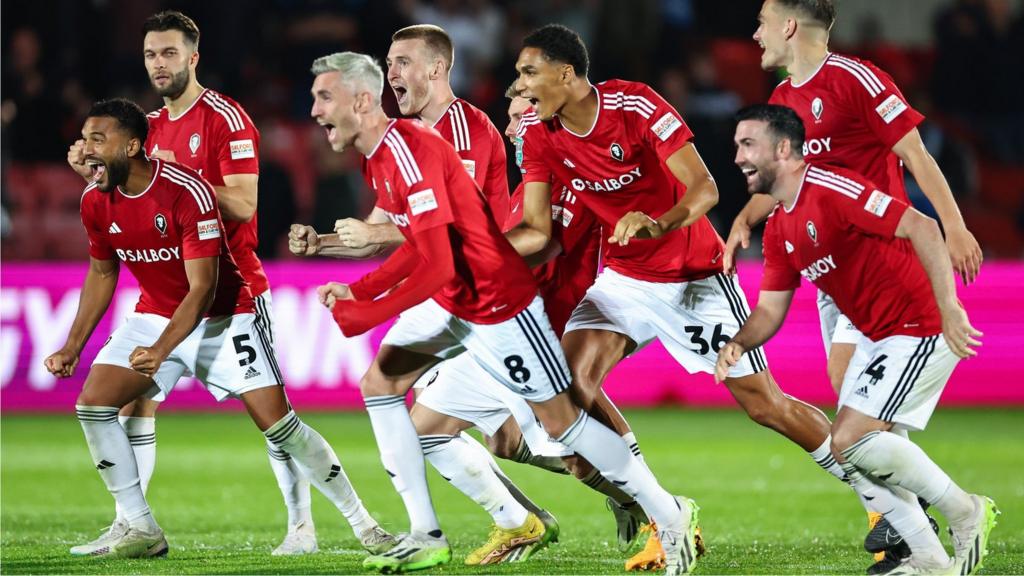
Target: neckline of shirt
[
  {"x": 798, "y": 191},
  {"x": 156, "y": 172},
  {"x": 187, "y": 110},
  {"x": 377, "y": 145},
  {"x": 828, "y": 56},
  {"x": 445, "y": 112},
  {"x": 597, "y": 117}
]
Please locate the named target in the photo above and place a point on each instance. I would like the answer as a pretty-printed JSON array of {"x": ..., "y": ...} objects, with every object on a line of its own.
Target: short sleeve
[
  {"x": 534, "y": 150},
  {"x": 664, "y": 129},
  {"x": 881, "y": 104},
  {"x": 873, "y": 212},
  {"x": 778, "y": 275},
  {"x": 199, "y": 220},
  {"x": 428, "y": 199},
  {"x": 238, "y": 141},
  {"x": 99, "y": 242}
]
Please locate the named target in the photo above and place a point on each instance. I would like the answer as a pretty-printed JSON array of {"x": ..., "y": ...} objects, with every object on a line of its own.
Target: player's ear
[
  {"x": 133, "y": 147},
  {"x": 567, "y": 73},
  {"x": 193, "y": 60},
  {"x": 790, "y": 28}
]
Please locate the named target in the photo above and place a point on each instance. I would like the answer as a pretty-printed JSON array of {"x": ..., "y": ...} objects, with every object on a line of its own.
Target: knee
[
  {"x": 583, "y": 393},
  {"x": 91, "y": 397},
  {"x": 843, "y": 437},
  {"x": 503, "y": 445},
  {"x": 371, "y": 386},
  {"x": 765, "y": 411}
]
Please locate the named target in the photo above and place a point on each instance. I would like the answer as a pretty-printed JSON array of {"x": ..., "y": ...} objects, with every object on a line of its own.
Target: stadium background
[{"x": 766, "y": 508}]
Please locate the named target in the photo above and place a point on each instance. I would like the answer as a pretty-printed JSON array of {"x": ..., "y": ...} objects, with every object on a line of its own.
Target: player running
[
  {"x": 196, "y": 316},
  {"x": 856, "y": 118},
  {"x": 483, "y": 298},
  {"x": 834, "y": 227}
]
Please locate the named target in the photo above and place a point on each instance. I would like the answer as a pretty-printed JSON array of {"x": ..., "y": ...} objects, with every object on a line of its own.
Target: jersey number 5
[{"x": 242, "y": 348}]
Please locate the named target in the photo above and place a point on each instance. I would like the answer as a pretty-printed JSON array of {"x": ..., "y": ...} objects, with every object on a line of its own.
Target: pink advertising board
[{"x": 322, "y": 368}]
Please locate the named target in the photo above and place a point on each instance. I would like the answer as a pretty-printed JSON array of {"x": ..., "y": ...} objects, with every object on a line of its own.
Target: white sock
[
  {"x": 630, "y": 439},
  {"x": 293, "y": 484},
  {"x": 141, "y": 433},
  {"x": 607, "y": 451},
  {"x": 112, "y": 455},
  {"x": 317, "y": 462},
  {"x": 901, "y": 509},
  {"x": 484, "y": 455},
  {"x": 463, "y": 467},
  {"x": 403, "y": 460},
  {"x": 822, "y": 455},
  {"x": 896, "y": 460},
  {"x": 523, "y": 455}
]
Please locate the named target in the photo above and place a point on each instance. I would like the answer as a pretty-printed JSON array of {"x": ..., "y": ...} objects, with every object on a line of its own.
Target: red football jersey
[
  {"x": 479, "y": 145},
  {"x": 853, "y": 114},
  {"x": 216, "y": 138},
  {"x": 564, "y": 279},
  {"x": 420, "y": 183},
  {"x": 173, "y": 220},
  {"x": 840, "y": 235},
  {"x": 619, "y": 166}
]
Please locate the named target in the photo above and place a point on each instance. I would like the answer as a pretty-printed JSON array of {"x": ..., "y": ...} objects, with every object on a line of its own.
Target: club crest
[
  {"x": 616, "y": 151},
  {"x": 193, "y": 142},
  {"x": 812, "y": 231},
  {"x": 160, "y": 221},
  {"x": 817, "y": 107}
]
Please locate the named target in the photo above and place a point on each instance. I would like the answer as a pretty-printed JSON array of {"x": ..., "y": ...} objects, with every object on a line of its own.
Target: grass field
[{"x": 765, "y": 507}]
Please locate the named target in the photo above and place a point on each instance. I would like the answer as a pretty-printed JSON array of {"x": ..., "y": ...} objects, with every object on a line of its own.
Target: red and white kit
[
  {"x": 840, "y": 235},
  {"x": 176, "y": 219},
  {"x": 671, "y": 288}
]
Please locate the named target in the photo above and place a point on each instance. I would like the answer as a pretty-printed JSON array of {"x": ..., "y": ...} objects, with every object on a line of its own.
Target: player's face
[
  {"x": 334, "y": 108},
  {"x": 169, "y": 62},
  {"x": 516, "y": 108},
  {"x": 771, "y": 36},
  {"x": 756, "y": 155},
  {"x": 542, "y": 82},
  {"x": 106, "y": 152},
  {"x": 409, "y": 65}
]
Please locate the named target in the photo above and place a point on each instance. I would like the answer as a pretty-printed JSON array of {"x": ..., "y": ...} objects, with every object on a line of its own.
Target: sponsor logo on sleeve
[
  {"x": 891, "y": 108},
  {"x": 470, "y": 166},
  {"x": 242, "y": 149},
  {"x": 421, "y": 202},
  {"x": 878, "y": 202},
  {"x": 665, "y": 126},
  {"x": 208, "y": 229}
]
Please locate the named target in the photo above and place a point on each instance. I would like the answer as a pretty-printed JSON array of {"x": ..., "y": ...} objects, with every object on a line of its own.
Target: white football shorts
[
  {"x": 460, "y": 388},
  {"x": 693, "y": 320},
  {"x": 898, "y": 379},
  {"x": 230, "y": 355},
  {"x": 836, "y": 328}
]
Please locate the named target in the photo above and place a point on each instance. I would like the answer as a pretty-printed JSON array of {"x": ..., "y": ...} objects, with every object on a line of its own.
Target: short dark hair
[
  {"x": 783, "y": 122},
  {"x": 560, "y": 44},
  {"x": 821, "y": 11},
  {"x": 130, "y": 117},
  {"x": 437, "y": 40},
  {"x": 173, "y": 20}
]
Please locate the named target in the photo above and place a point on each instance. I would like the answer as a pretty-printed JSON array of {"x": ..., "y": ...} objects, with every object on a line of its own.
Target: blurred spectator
[
  {"x": 339, "y": 191},
  {"x": 276, "y": 208},
  {"x": 31, "y": 110}
]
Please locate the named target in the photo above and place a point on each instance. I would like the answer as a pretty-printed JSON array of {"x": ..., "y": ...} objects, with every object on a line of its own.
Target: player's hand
[
  {"x": 165, "y": 155},
  {"x": 62, "y": 363},
  {"x": 635, "y": 225},
  {"x": 146, "y": 360},
  {"x": 354, "y": 233},
  {"x": 739, "y": 236},
  {"x": 958, "y": 332},
  {"x": 303, "y": 240},
  {"x": 728, "y": 356},
  {"x": 76, "y": 159},
  {"x": 331, "y": 292},
  {"x": 965, "y": 253}
]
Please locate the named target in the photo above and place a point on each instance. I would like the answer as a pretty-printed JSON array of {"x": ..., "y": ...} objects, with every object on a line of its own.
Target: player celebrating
[
  {"x": 195, "y": 315},
  {"x": 483, "y": 298},
  {"x": 835, "y": 228},
  {"x": 627, "y": 155},
  {"x": 856, "y": 118}
]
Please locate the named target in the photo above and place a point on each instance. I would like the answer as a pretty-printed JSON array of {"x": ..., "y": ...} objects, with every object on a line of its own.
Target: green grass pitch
[{"x": 765, "y": 507}]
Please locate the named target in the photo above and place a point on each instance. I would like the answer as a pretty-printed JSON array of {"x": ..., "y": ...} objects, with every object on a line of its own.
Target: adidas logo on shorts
[
  {"x": 862, "y": 391},
  {"x": 251, "y": 373}
]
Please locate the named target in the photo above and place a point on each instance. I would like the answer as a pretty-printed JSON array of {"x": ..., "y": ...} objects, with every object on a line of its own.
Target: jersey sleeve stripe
[
  {"x": 456, "y": 136},
  {"x": 229, "y": 114},
  {"x": 406, "y": 163},
  {"x": 832, "y": 186},
  {"x": 636, "y": 99},
  {"x": 465, "y": 127},
  {"x": 230, "y": 108},
  {"x": 872, "y": 90},
  {"x": 198, "y": 189},
  {"x": 525, "y": 122},
  {"x": 868, "y": 72},
  {"x": 852, "y": 184},
  {"x": 460, "y": 127}
]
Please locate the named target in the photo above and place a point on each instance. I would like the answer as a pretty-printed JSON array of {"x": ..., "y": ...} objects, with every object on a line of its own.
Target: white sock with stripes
[
  {"x": 524, "y": 455},
  {"x": 484, "y": 455},
  {"x": 141, "y": 433},
  {"x": 608, "y": 453},
  {"x": 464, "y": 468},
  {"x": 293, "y": 484},
  {"x": 317, "y": 462},
  {"x": 901, "y": 509},
  {"x": 823, "y": 457},
  {"x": 402, "y": 457},
  {"x": 898, "y": 461},
  {"x": 112, "y": 455}
]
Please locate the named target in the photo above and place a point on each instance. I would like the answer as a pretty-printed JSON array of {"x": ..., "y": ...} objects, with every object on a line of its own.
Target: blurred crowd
[{"x": 61, "y": 55}]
